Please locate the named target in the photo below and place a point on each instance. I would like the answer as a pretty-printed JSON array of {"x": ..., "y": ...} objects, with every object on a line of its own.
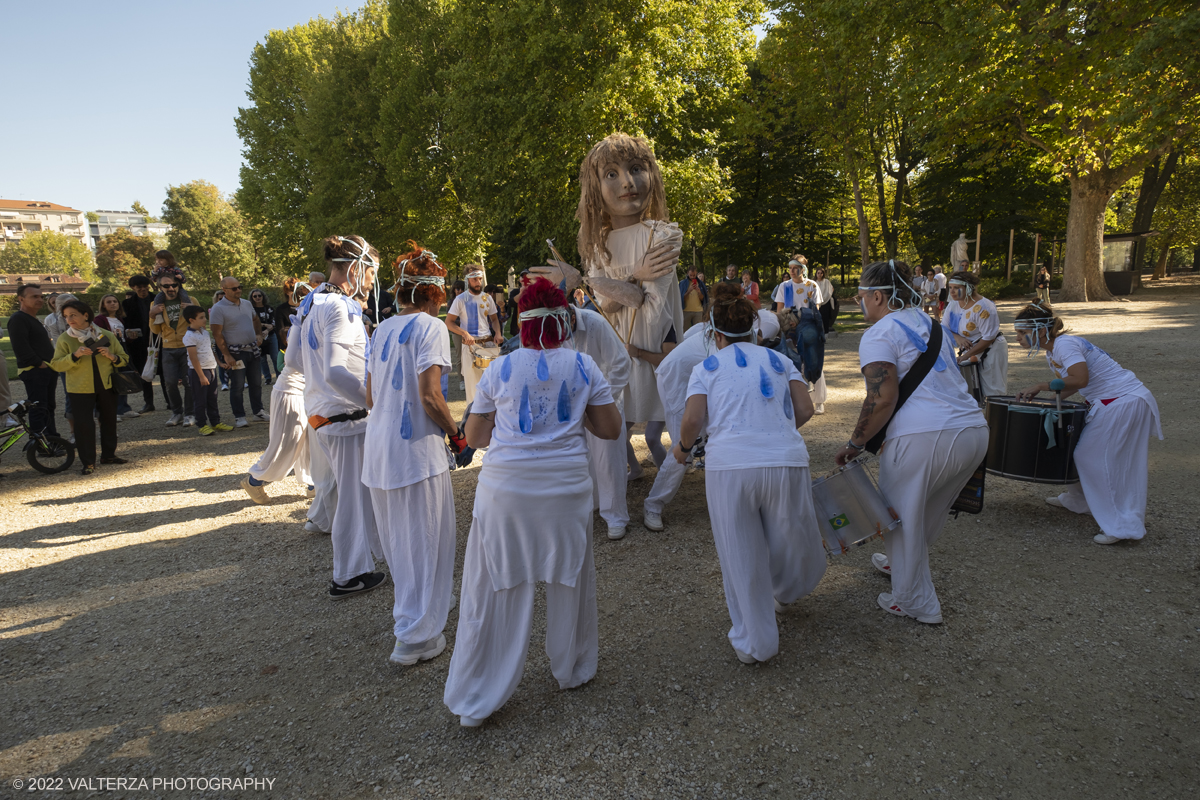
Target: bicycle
[{"x": 47, "y": 454}]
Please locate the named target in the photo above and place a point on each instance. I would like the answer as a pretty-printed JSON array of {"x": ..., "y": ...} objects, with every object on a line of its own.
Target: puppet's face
[{"x": 625, "y": 187}]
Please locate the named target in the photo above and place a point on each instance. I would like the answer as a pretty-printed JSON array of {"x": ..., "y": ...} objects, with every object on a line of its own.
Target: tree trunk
[
  {"x": 889, "y": 246},
  {"x": 1083, "y": 277},
  {"x": 1160, "y": 269},
  {"x": 1154, "y": 182},
  {"x": 864, "y": 231}
]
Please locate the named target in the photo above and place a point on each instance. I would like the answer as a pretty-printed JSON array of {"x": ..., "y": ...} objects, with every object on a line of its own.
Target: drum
[
  {"x": 482, "y": 356},
  {"x": 970, "y": 373},
  {"x": 851, "y": 510},
  {"x": 1027, "y": 443}
]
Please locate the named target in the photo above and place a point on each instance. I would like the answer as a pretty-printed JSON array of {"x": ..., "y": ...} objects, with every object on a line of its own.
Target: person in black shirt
[
  {"x": 33, "y": 350},
  {"x": 137, "y": 333},
  {"x": 270, "y": 343}
]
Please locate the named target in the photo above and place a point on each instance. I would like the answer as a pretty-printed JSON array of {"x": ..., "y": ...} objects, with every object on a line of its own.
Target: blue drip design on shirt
[
  {"x": 776, "y": 361},
  {"x": 312, "y": 337},
  {"x": 472, "y": 318},
  {"x": 789, "y": 295},
  {"x": 524, "y": 414},
  {"x": 582, "y": 369},
  {"x": 564, "y": 403},
  {"x": 387, "y": 346},
  {"x": 739, "y": 357},
  {"x": 787, "y": 402},
  {"x": 398, "y": 374},
  {"x": 922, "y": 345},
  {"x": 506, "y": 368},
  {"x": 764, "y": 384},
  {"x": 543, "y": 369},
  {"x": 406, "y": 423},
  {"x": 711, "y": 363},
  {"x": 404, "y": 333}
]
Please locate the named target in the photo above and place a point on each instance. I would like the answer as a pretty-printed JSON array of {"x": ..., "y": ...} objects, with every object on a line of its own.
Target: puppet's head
[{"x": 594, "y": 214}]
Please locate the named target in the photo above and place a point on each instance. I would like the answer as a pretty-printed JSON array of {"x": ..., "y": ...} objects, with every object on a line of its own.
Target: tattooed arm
[
  {"x": 883, "y": 387},
  {"x": 479, "y": 429}
]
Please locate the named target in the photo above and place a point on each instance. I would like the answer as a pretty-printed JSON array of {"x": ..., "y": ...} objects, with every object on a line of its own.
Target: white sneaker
[
  {"x": 745, "y": 658},
  {"x": 1104, "y": 538},
  {"x": 224, "y": 387},
  {"x": 889, "y": 605},
  {"x": 409, "y": 654},
  {"x": 131, "y": 415},
  {"x": 652, "y": 521},
  {"x": 240, "y": 422},
  {"x": 462, "y": 385},
  {"x": 819, "y": 408},
  {"x": 189, "y": 421},
  {"x": 174, "y": 420},
  {"x": 257, "y": 493},
  {"x": 616, "y": 532},
  {"x": 263, "y": 415},
  {"x": 71, "y": 438},
  {"x": 1054, "y": 501},
  {"x": 880, "y": 562},
  {"x": 311, "y": 527},
  {"x": 469, "y": 722},
  {"x": 119, "y": 418}
]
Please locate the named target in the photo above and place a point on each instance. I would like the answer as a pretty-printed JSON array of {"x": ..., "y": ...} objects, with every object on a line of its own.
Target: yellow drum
[{"x": 482, "y": 355}]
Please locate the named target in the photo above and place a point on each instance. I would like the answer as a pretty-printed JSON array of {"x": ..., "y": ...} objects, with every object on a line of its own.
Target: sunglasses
[
  {"x": 165, "y": 286},
  {"x": 234, "y": 289}
]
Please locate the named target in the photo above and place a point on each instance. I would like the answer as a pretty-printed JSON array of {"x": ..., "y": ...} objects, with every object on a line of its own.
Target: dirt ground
[{"x": 155, "y": 623}]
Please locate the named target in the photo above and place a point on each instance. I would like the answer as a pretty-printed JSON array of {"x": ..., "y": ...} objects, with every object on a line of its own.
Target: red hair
[
  {"x": 420, "y": 262},
  {"x": 543, "y": 331}
]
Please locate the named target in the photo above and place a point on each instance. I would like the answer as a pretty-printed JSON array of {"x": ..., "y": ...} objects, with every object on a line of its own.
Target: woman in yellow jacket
[{"x": 88, "y": 356}]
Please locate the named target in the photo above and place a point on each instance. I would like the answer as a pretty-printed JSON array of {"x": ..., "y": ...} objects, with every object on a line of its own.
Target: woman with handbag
[
  {"x": 933, "y": 438},
  {"x": 89, "y": 357},
  {"x": 112, "y": 318}
]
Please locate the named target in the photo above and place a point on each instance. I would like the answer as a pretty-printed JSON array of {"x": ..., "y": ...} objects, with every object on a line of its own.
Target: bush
[{"x": 1000, "y": 289}]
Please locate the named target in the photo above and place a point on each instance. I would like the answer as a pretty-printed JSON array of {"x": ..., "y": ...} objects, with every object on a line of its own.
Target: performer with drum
[
  {"x": 1112, "y": 456},
  {"x": 934, "y": 441},
  {"x": 532, "y": 520},
  {"x": 477, "y": 310},
  {"x": 405, "y": 465},
  {"x": 758, "y": 485},
  {"x": 801, "y": 296},
  {"x": 333, "y": 341},
  {"x": 975, "y": 323}
]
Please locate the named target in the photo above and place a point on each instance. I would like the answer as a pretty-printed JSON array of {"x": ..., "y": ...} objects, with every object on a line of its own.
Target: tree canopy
[
  {"x": 122, "y": 254},
  {"x": 50, "y": 252},
  {"x": 208, "y": 237}
]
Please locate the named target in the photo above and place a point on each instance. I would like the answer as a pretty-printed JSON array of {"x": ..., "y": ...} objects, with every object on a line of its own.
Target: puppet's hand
[
  {"x": 557, "y": 272},
  {"x": 658, "y": 261}
]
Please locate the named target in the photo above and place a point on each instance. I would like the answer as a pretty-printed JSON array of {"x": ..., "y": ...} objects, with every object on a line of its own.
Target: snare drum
[
  {"x": 851, "y": 510},
  {"x": 1027, "y": 443},
  {"x": 482, "y": 356}
]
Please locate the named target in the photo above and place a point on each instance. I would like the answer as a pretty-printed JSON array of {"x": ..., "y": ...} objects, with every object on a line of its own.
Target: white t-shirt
[
  {"x": 939, "y": 280},
  {"x": 918, "y": 283},
  {"x": 674, "y": 372},
  {"x": 1106, "y": 378},
  {"x": 980, "y": 321},
  {"x": 404, "y": 445},
  {"x": 203, "y": 344},
  {"x": 796, "y": 295},
  {"x": 539, "y": 397},
  {"x": 596, "y": 338},
  {"x": 473, "y": 311},
  {"x": 332, "y": 336},
  {"x": 751, "y": 421},
  {"x": 941, "y": 401},
  {"x": 824, "y": 291}
]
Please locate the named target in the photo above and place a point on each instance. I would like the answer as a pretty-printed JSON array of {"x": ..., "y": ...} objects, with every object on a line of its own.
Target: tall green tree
[
  {"x": 208, "y": 235},
  {"x": 1100, "y": 89},
  {"x": 122, "y": 254},
  {"x": 1177, "y": 215},
  {"x": 50, "y": 252}
]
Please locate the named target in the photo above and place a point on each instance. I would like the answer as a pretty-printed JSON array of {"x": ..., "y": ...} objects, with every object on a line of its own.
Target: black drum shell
[{"x": 1017, "y": 441}]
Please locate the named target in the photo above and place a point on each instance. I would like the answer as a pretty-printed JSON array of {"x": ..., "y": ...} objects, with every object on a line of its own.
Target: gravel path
[{"x": 155, "y": 623}]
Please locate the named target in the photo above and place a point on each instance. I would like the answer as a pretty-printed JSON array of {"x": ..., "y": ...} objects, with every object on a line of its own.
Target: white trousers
[
  {"x": 921, "y": 475},
  {"x": 494, "y": 628},
  {"x": 320, "y": 513},
  {"x": 993, "y": 372},
  {"x": 287, "y": 445},
  {"x": 353, "y": 531},
  {"x": 416, "y": 528},
  {"x": 607, "y": 466},
  {"x": 817, "y": 390},
  {"x": 670, "y": 474},
  {"x": 765, "y": 529},
  {"x": 1113, "y": 459},
  {"x": 471, "y": 374}
]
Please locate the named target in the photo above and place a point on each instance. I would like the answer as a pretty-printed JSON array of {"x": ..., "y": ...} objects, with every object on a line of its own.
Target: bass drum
[{"x": 1027, "y": 442}]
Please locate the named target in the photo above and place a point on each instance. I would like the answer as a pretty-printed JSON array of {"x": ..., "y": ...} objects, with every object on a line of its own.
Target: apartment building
[{"x": 21, "y": 217}]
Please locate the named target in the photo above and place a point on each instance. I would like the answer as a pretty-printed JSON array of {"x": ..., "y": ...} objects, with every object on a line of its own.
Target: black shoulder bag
[{"x": 911, "y": 381}]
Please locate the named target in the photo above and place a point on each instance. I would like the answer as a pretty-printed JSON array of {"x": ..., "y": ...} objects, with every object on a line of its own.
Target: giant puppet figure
[{"x": 629, "y": 250}]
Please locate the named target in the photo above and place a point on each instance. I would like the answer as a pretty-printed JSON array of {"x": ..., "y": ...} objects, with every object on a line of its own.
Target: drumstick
[{"x": 1057, "y": 385}]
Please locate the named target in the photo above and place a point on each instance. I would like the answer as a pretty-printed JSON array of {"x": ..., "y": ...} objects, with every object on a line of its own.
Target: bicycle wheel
[{"x": 50, "y": 454}]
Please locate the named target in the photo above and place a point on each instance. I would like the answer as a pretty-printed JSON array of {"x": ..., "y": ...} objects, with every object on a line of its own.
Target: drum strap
[{"x": 911, "y": 381}]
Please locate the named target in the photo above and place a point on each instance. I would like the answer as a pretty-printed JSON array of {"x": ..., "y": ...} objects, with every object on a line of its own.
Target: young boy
[{"x": 202, "y": 371}]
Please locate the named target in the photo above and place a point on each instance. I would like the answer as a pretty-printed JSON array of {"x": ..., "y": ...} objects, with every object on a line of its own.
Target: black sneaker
[
  {"x": 363, "y": 583},
  {"x": 146, "y": 409},
  {"x": 114, "y": 460}
]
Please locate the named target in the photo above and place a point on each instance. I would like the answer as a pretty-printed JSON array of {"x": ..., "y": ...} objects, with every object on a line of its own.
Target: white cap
[{"x": 768, "y": 324}]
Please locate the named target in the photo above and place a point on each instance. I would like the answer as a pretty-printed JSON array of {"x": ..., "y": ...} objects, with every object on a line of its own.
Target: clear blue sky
[{"x": 109, "y": 102}]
